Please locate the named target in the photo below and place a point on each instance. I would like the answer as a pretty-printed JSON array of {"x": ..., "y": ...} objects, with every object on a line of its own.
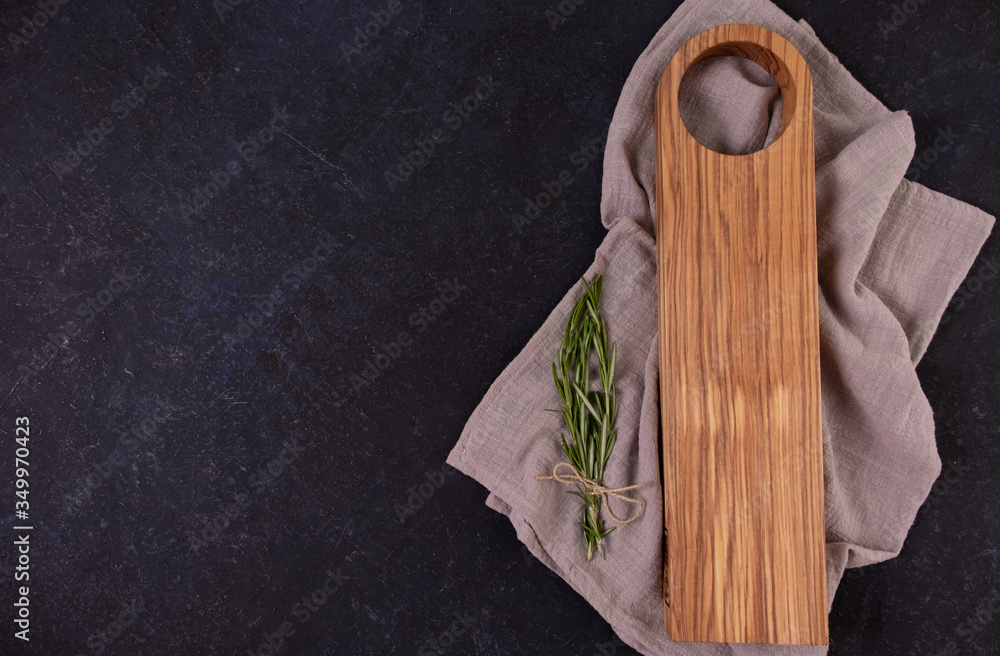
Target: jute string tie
[{"x": 574, "y": 478}]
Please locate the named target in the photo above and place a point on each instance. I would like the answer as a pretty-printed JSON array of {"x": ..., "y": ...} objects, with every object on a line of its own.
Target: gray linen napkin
[{"x": 891, "y": 255}]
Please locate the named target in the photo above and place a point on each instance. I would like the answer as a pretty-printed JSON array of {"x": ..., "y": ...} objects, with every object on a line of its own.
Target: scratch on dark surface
[
  {"x": 385, "y": 570},
  {"x": 156, "y": 182},
  {"x": 342, "y": 533},
  {"x": 23, "y": 98},
  {"x": 14, "y": 387},
  {"x": 31, "y": 187},
  {"x": 559, "y": 648},
  {"x": 310, "y": 150},
  {"x": 96, "y": 597},
  {"x": 187, "y": 435}
]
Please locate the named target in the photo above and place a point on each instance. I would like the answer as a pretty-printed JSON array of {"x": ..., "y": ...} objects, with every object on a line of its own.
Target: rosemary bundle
[{"x": 589, "y": 414}]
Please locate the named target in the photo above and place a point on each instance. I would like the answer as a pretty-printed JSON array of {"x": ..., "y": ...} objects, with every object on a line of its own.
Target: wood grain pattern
[{"x": 739, "y": 366}]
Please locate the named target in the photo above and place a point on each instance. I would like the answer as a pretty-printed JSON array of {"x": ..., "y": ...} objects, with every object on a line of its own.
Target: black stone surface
[{"x": 205, "y": 475}]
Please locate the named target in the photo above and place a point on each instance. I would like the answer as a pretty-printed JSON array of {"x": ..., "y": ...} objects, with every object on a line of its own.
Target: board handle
[{"x": 769, "y": 50}]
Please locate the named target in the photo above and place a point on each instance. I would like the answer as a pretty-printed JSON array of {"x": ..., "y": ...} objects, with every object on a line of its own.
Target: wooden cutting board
[{"x": 739, "y": 366}]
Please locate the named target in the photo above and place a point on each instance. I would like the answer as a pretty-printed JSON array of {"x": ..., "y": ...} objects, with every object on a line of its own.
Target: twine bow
[{"x": 604, "y": 492}]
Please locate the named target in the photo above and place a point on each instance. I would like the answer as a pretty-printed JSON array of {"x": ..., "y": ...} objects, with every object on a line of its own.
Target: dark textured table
[{"x": 260, "y": 262}]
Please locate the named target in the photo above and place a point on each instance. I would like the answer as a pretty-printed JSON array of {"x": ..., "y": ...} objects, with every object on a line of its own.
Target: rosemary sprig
[{"x": 589, "y": 414}]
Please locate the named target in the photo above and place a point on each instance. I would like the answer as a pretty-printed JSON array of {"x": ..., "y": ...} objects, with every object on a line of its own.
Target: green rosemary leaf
[
  {"x": 586, "y": 402},
  {"x": 614, "y": 358}
]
